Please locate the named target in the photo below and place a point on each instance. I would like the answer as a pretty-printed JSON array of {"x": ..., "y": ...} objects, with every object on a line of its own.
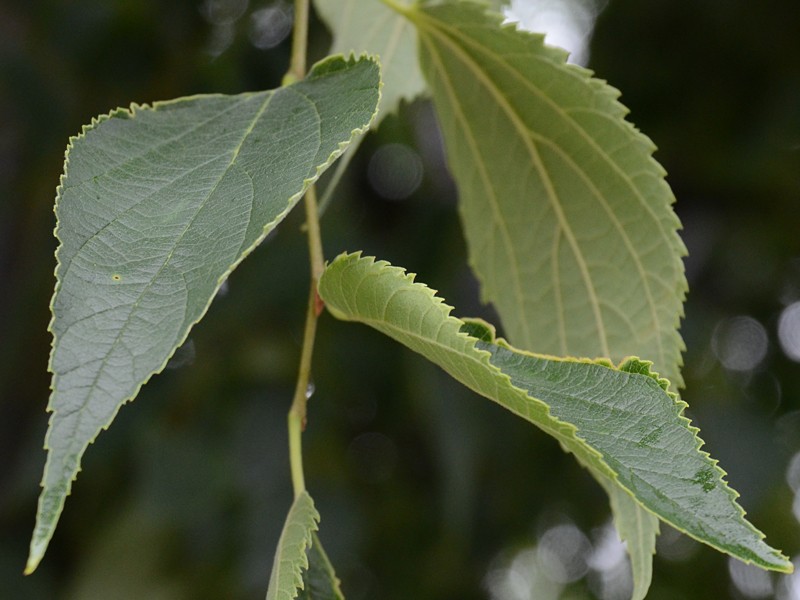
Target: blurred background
[{"x": 425, "y": 490}]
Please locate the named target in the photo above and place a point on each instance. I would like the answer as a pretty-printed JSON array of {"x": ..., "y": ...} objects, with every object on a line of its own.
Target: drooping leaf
[
  {"x": 372, "y": 27},
  {"x": 291, "y": 559},
  {"x": 620, "y": 421},
  {"x": 320, "y": 581},
  {"x": 156, "y": 206},
  {"x": 638, "y": 529},
  {"x": 567, "y": 216}
]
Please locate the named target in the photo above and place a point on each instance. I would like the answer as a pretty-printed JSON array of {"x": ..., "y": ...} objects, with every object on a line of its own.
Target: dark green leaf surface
[
  {"x": 320, "y": 581},
  {"x": 156, "y": 206},
  {"x": 621, "y": 422}
]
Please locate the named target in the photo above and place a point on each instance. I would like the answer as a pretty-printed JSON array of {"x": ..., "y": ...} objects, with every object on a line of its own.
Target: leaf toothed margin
[{"x": 622, "y": 423}]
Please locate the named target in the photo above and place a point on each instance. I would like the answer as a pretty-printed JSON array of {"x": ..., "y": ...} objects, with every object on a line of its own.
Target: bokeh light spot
[
  {"x": 789, "y": 331},
  {"x": 395, "y": 171},
  {"x": 789, "y": 585},
  {"x": 793, "y": 473},
  {"x": 271, "y": 25},
  {"x": 610, "y": 577},
  {"x": 750, "y": 581},
  {"x": 567, "y": 24},
  {"x": 563, "y": 552},
  {"x": 740, "y": 343},
  {"x": 223, "y": 12}
]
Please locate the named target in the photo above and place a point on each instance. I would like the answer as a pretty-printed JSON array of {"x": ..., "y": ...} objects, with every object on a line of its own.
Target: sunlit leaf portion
[
  {"x": 619, "y": 421},
  {"x": 156, "y": 206},
  {"x": 567, "y": 216},
  {"x": 372, "y": 27},
  {"x": 291, "y": 559}
]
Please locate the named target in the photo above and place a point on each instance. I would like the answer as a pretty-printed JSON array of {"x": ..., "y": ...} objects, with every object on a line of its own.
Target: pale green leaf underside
[
  {"x": 291, "y": 559},
  {"x": 567, "y": 216},
  {"x": 156, "y": 206},
  {"x": 370, "y": 26},
  {"x": 619, "y": 421},
  {"x": 638, "y": 529}
]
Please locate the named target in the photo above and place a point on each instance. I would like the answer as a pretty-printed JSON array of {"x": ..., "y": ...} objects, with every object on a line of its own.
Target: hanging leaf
[
  {"x": 620, "y": 421},
  {"x": 320, "y": 581},
  {"x": 301, "y": 568},
  {"x": 638, "y": 529},
  {"x": 567, "y": 216},
  {"x": 291, "y": 560},
  {"x": 372, "y": 27},
  {"x": 156, "y": 207}
]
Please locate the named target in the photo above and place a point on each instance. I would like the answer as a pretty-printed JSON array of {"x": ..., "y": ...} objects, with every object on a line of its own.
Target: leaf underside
[
  {"x": 621, "y": 421},
  {"x": 567, "y": 217},
  {"x": 372, "y": 27},
  {"x": 301, "y": 568},
  {"x": 156, "y": 207},
  {"x": 638, "y": 528},
  {"x": 291, "y": 558}
]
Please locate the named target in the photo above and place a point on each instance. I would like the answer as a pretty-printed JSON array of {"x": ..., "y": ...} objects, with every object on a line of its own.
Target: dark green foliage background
[{"x": 420, "y": 484}]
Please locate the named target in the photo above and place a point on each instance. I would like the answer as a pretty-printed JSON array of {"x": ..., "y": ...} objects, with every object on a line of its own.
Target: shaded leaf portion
[
  {"x": 638, "y": 529},
  {"x": 291, "y": 560},
  {"x": 567, "y": 216},
  {"x": 320, "y": 580},
  {"x": 156, "y": 206},
  {"x": 370, "y": 26},
  {"x": 621, "y": 422}
]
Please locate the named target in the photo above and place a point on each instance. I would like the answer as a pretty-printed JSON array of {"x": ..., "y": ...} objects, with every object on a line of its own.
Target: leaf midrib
[
  {"x": 103, "y": 361},
  {"x": 525, "y": 134},
  {"x": 546, "y": 181},
  {"x": 499, "y": 220},
  {"x": 355, "y": 313}
]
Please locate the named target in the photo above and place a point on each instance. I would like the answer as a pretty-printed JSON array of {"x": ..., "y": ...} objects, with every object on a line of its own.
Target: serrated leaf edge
[
  {"x": 35, "y": 556},
  {"x": 298, "y": 564},
  {"x": 559, "y": 56},
  {"x": 643, "y": 367}
]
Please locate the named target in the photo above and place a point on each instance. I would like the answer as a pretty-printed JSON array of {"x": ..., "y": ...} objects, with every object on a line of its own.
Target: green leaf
[
  {"x": 320, "y": 580},
  {"x": 621, "y": 421},
  {"x": 638, "y": 528},
  {"x": 291, "y": 560},
  {"x": 370, "y": 26},
  {"x": 567, "y": 216},
  {"x": 156, "y": 207}
]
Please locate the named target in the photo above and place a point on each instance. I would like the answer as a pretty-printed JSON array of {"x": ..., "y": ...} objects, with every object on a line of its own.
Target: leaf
[
  {"x": 156, "y": 207},
  {"x": 567, "y": 216},
  {"x": 320, "y": 580},
  {"x": 370, "y": 26},
  {"x": 291, "y": 560},
  {"x": 621, "y": 421},
  {"x": 568, "y": 220},
  {"x": 638, "y": 529}
]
